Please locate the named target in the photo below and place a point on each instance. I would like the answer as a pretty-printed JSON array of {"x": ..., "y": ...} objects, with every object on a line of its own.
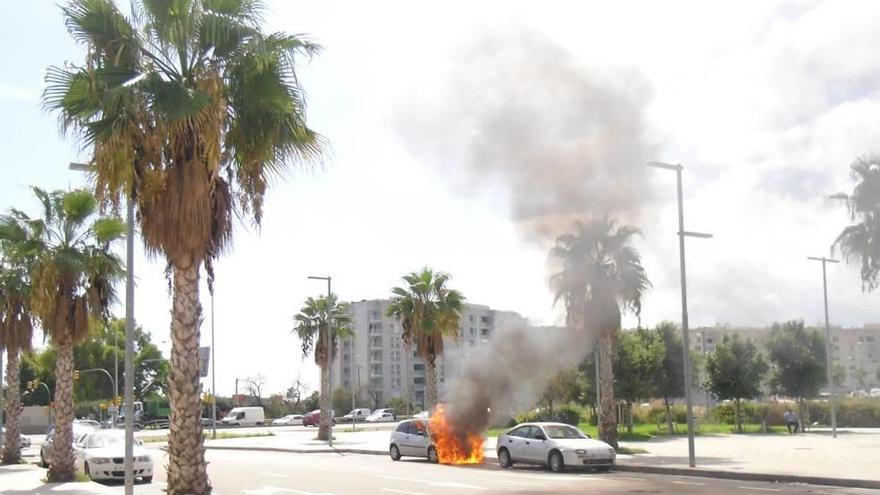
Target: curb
[
  {"x": 741, "y": 476},
  {"x": 297, "y": 451}
]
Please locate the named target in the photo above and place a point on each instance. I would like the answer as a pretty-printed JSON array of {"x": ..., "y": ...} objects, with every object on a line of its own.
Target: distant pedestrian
[{"x": 791, "y": 421}]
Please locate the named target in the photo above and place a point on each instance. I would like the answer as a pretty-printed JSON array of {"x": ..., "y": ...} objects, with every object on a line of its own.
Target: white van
[{"x": 245, "y": 416}]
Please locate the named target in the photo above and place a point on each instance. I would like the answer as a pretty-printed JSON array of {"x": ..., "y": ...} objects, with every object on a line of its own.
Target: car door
[
  {"x": 401, "y": 438},
  {"x": 532, "y": 446},
  {"x": 514, "y": 442},
  {"x": 419, "y": 438}
]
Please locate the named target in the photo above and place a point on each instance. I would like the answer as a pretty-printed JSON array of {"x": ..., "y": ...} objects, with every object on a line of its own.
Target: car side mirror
[{"x": 540, "y": 436}]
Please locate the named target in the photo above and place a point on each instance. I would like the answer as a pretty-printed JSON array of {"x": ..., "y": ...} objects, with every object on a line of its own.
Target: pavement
[{"x": 270, "y": 465}]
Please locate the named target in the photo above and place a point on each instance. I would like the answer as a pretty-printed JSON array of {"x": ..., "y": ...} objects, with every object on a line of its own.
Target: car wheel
[
  {"x": 504, "y": 458},
  {"x": 148, "y": 479},
  {"x": 555, "y": 462},
  {"x": 395, "y": 453},
  {"x": 433, "y": 458}
]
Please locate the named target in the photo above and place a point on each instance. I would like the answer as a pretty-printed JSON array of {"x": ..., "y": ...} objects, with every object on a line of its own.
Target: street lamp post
[
  {"x": 329, "y": 351},
  {"x": 685, "y": 337},
  {"x": 828, "y": 370},
  {"x": 129, "y": 333},
  {"x": 213, "y": 375}
]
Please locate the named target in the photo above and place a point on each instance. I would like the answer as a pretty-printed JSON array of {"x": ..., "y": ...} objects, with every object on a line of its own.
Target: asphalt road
[{"x": 271, "y": 473}]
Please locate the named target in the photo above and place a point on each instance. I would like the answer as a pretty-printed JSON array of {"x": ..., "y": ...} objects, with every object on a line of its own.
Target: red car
[{"x": 314, "y": 417}]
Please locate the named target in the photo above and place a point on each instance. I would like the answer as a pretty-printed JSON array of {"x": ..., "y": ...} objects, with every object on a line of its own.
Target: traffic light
[
  {"x": 118, "y": 401},
  {"x": 76, "y": 374},
  {"x": 103, "y": 406}
]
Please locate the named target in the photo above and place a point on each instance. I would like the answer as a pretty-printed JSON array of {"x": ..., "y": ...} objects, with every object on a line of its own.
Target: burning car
[
  {"x": 555, "y": 445},
  {"x": 412, "y": 438}
]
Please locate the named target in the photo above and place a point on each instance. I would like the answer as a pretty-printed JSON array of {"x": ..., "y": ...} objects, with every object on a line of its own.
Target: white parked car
[
  {"x": 380, "y": 417},
  {"x": 47, "y": 448},
  {"x": 289, "y": 420},
  {"x": 23, "y": 441},
  {"x": 423, "y": 415},
  {"x": 359, "y": 414},
  {"x": 245, "y": 416},
  {"x": 555, "y": 445},
  {"x": 412, "y": 438},
  {"x": 101, "y": 456}
]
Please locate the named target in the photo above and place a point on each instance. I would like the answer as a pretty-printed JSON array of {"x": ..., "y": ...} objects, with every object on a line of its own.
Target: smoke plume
[
  {"x": 521, "y": 118},
  {"x": 560, "y": 138}
]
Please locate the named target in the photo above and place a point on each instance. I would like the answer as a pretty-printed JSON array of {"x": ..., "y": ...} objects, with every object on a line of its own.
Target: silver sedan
[{"x": 555, "y": 445}]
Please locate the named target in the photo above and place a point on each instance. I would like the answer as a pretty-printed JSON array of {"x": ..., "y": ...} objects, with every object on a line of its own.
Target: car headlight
[
  {"x": 580, "y": 451},
  {"x": 143, "y": 458},
  {"x": 99, "y": 460}
]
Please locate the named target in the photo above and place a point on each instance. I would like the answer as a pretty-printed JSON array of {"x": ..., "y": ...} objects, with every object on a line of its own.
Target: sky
[{"x": 456, "y": 136}]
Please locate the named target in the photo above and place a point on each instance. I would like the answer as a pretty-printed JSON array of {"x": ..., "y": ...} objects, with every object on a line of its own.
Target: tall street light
[
  {"x": 213, "y": 375},
  {"x": 685, "y": 337},
  {"x": 329, "y": 350},
  {"x": 824, "y": 261},
  {"x": 129, "y": 333}
]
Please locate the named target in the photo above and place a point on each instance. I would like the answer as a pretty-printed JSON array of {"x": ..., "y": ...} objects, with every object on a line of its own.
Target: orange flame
[{"x": 453, "y": 446}]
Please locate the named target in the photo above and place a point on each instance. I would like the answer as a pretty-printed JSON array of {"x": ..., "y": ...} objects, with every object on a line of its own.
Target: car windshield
[
  {"x": 563, "y": 431},
  {"x": 101, "y": 440}
]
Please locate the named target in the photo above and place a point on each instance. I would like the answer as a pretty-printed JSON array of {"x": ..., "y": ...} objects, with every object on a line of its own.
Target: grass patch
[
  {"x": 631, "y": 450},
  {"x": 643, "y": 432},
  {"x": 221, "y": 435}
]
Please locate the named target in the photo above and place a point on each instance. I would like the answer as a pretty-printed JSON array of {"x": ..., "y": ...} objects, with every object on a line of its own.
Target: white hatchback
[
  {"x": 101, "y": 456},
  {"x": 412, "y": 438},
  {"x": 555, "y": 445}
]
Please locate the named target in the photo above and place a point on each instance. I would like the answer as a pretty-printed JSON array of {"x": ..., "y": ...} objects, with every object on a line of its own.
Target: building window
[
  {"x": 484, "y": 332},
  {"x": 375, "y": 341},
  {"x": 419, "y": 380},
  {"x": 869, "y": 338},
  {"x": 471, "y": 318},
  {"x": 376, "y": 356}
]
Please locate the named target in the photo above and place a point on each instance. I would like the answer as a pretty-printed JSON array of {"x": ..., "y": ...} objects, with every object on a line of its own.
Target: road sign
[{"x": 204, "y": 361}]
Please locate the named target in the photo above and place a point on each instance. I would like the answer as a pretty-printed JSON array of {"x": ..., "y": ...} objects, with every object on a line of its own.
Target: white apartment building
[{"x": 376, "y": 361}]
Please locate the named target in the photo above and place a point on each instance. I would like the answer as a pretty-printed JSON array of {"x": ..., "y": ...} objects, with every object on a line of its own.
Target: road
[{"x": 273, "y": 473}]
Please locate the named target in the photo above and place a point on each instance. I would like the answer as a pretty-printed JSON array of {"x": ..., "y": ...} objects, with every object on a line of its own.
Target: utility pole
[
  {"x": 685, "y": 334},
  {"x": 828, "y": 370},
  {"x": 213, "y": 374}
]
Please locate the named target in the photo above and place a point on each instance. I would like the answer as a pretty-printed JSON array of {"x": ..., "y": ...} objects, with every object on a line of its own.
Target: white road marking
[
  {"x": 272, "y": 490},
  {"x": 627, "y": 478},
  {"x": 275, "y": 475},
  {"x": 759, "y": 489},
  {"x": 402, "y": 492},
  {"x": 439, "y": 484},
  {"x": 689, "y": 483}
]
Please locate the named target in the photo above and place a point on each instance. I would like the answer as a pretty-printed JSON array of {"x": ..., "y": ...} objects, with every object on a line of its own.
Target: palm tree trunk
[
  {"x": 431, "y": 379},
  {"x": 11, "y": 447},
  {"x": 668, "y": 416},
  {"x": 608, "y": 425},
  {"x": 407, "y": 361},
  {"x": 187, "y": 471},
  {"x": 326, "y": 414},
  {"x": 62, "y": 467}
]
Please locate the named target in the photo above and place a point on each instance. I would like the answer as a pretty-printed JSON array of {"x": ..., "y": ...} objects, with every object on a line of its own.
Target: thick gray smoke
[
  {"x": 521, "y": 118},
  {"x": 561, "y": 139}
]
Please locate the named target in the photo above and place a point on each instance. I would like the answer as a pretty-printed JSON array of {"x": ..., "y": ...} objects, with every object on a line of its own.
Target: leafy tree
[
  {"x": 860, "y": 242},
  {"x": 398, "y": 404},
  {"x": 635, "y": 365},
  {"x": 16, "y": 332},
  {"x": 601, "y": 276},
  {"x": 189, "y": 109},
  {"x": 735, "y": 371},
  {"x": 310, "y": 325},
  {"x": 312, "y": 402},
  {"x": 669, "y": 376},
  {"x": 73, "y": 278},
  {"x": 798, "y": 359},
  {"x": 565, "y": 387},
  {"x": 427, "y": 311}
]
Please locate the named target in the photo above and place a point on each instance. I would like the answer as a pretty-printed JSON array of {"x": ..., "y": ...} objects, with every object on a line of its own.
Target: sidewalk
[
  {"x": 28, "y": 479},
  {"x": 844, "y": 461}
]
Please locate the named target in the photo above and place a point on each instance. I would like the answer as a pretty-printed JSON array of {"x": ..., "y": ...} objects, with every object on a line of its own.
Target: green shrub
[{"x": 566, "y": 414}]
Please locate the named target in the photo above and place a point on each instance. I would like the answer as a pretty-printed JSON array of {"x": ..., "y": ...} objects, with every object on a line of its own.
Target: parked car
[
  {"x": 380, "y": 417},
  {"x": 386, "y": 410},
  {"x": 314, "y": 418},
  {"x": 555, "y": 445},
  {"x": 412, "y": 438},
  {"x": 289, "y": 420},
  {"x": 79, "y": 430},
  {"x": 359, "y": 414},
  {"x": 422, "y": 415},
  {"x": 100, "y": 455},
  {"x": 245, "y": 416},
  {"x": 23, "y": 441},
  {"x": 88, "y": 422}
]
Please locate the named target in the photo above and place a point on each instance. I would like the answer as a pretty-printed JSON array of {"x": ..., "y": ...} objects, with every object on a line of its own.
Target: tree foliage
[
  {"x": 860, "y": 242},
  {"x": 735, "y": 371},
  {"x": 797, "y": 355}
]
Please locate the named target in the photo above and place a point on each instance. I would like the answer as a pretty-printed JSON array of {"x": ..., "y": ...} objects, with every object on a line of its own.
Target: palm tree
[
  {"x": 73, "y": 278},
  {"x": 601, "y": 276},
  {"x": 16, "y": 331},
  {"x": 427, "y": 311},
  {"x": 190, "y": 110},
  {"x": 860, "y": 242},
  {"x": 311, "y": 328}
]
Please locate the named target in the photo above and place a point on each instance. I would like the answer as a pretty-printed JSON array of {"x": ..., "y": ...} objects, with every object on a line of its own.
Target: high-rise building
[{"x": 375, "y": 360}]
